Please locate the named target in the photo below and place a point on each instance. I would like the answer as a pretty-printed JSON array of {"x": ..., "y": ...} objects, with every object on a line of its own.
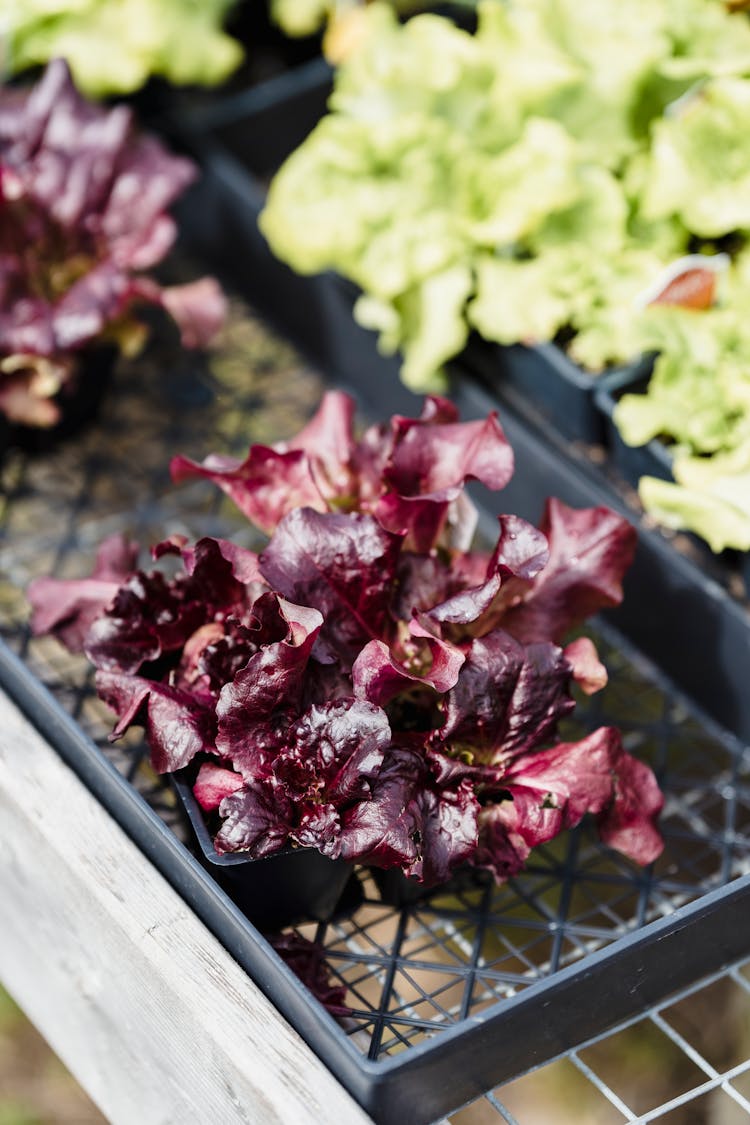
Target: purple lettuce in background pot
[
  {"x": 369, "y": 685},
  {"x": 83, "y": 212}
]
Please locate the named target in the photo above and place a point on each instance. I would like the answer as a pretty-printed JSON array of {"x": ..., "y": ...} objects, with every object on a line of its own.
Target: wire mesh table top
[
  {"x": 409, "y": 972},
  {"x": 684, "y": 1062}
]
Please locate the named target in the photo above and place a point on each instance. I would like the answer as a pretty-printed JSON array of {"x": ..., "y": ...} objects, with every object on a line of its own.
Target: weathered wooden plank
[{"x": 144, "y": 1006}]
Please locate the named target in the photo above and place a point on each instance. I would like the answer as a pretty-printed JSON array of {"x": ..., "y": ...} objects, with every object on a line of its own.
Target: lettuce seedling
[
  {"x": 369, "y": 684},
  {"x": 113, "y": 48}
]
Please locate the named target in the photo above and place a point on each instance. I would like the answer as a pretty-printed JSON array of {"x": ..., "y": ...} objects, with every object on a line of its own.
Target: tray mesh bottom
[{"x": 413, "y": 971}]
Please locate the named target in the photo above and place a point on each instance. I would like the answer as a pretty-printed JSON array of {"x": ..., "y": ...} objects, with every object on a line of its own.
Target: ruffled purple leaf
[
  {"x": 629, "y": 822},
  {"x": 67, "y": 607},
  {"x": 339, "y": 747},
  {"x": 419, "y": 519},
  {"x": 145, "y": 617},
  {"x": 253, "y": 709},
  {"x": 310, "y": 470},
  {"x": 588, "y": 671},
  {"x": 256, "y": 820},
  {"x": 431, "y": 456},
  {"x": 266, "y": 486},
  {"x": 378, "y": 675},
  {"x": 85, "y": 161},
  {"x": 501, "y": 848},
  {"x": 244, "y": 563},
  {"x": 520, "y": 555},
  {"x": 317, "y": 764},
  {"x": 177, "y": 725},
  {"x": 84, "y": 310},
  {"x": 82, "y": 161},
  {"x": 211, "y": 576},
  {"x": 198, "y": 308},
  {"x": 509, "y": 698},
  {"x": 151, "y": 615},
  {"x": 424, "y": 581},
  {"x": 554, "y": 789},
  {"x": 345, "y": 567},
  {"x": 590, "y": 552},
  {"x": 412, "y": 823},
  {"x": 438, "y": 662},
  {"x": 430, "y": 461},
  {"x": 133, "y": 219},
  {"x": 448, "y": 833},
  {"x": 213, "y": 784},
  {"x": 328, "y": 443},
  {"x": 572, "y": 778},
  {"x": 307, "y": 961},
  {"x": 521, "y": 552},
  {"x": 212, "y": 655}
]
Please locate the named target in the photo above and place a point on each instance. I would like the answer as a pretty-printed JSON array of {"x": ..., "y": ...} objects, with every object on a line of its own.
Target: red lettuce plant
[
  {"x": 369, "y": 685},
  {"x": 83, "y": 203}
]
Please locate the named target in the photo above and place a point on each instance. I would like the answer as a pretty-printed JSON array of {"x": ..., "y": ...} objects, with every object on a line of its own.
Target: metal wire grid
[
  {"x": 685, "y": 1062},
  {"x": 409, "y": 972}
]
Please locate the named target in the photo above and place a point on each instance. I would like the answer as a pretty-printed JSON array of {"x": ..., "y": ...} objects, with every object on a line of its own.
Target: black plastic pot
[
  {"x": 399, "y": 890},
  {"x": 296, "y": 885},
  {"x": 79, "y": 401}
]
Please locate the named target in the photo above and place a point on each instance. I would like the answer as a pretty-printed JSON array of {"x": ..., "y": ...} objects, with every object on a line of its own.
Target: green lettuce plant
[
  {"x": 698, "y": 400},
  {"x": 533, "y": 181},
  {"x": 305, "y": 17},
  {"x": 114, "y": 46},
  {"x": 711, "y": 497}
]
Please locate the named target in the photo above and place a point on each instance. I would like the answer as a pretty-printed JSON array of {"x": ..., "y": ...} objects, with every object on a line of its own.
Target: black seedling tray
[
  {"x": 273, "y": 892},
  {"x": 558, "y": 389},
  {"x": 475, "y": 984}
]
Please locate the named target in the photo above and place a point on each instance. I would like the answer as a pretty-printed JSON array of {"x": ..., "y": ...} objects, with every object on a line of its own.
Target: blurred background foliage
[{"x": 35, "y": 1087}]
